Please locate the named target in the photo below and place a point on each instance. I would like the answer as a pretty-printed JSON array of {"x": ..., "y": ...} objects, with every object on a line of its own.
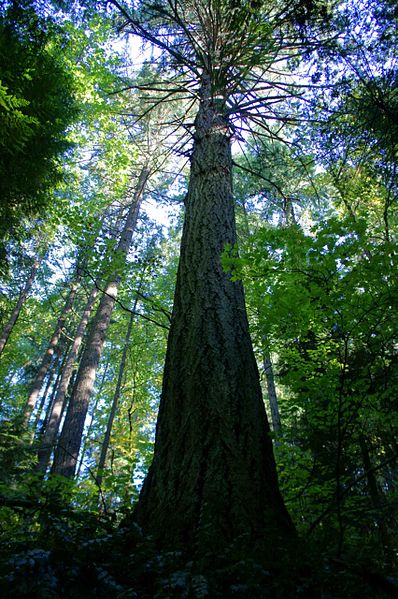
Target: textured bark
[
  {"x": 213, "y": 477},
  {"x": 52, "y": 427},
  {"x": 67, "y": 451},
  {"x": 115, "y": 401},
  {"x": 48, "y": 356},
  {"x": 6, "y": 332}
]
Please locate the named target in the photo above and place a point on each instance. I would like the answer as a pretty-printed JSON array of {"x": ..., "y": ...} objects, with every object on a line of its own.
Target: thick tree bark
[
  {"x": 67, "y": 451},
  {"x": 213, "y": 477},
  {"x": 115, "y": 401},
  {"x": 47, "y": 358},
  {"x": 8, "y": 327},
  {"x": 52, "y": 427}
]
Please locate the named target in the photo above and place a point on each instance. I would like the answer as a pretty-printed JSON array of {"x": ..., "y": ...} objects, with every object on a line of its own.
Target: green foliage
[
  {"x": 50, "y": 547},
  {"x": 36, "y": 107},
  {"x": 326, "y": 301},
  {"x": 317, "y": 254},
  {"x": 16, "y": 456}
]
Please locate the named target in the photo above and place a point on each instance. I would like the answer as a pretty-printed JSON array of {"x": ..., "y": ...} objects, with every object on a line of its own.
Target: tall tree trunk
[
  {"x": 47, "y": 358},
  {"x": 213, "y": 477},
  {"x": 6, "y": 332},
  {"x": 93, "y": 411},
  {"x": 67, "y": 451},
  {"x": 115, "y": 401},
  {"x": 51, "y": 430}
]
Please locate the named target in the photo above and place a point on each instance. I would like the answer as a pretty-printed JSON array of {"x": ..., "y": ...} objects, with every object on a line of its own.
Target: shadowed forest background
[{"x": 198, "y": 299}]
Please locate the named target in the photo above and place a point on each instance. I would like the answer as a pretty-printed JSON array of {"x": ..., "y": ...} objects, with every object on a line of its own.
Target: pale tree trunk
[
  {"x": 55, "y": 373},
  {"x": 8, "y": 327},
  {"x": 67, "y": 451},
  {"x": 213, "y": 478},
  {"x": 271, "y": 391},
  {"x": 115, "y": 401},
  {"x": 288, "y": 212},
  {"x": 52, "y": 427},
  {"x": 47, "y": 358}
]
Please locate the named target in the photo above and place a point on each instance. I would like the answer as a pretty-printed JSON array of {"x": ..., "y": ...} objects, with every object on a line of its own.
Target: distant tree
[
  {"x": 9, "y": 325},
  {"x": 67, "y": 451},
  {"x": 48, "y": 438},
  {"x": 51, "y": 348}
]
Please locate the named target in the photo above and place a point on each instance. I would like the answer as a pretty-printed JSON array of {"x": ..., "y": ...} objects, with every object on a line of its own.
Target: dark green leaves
[{"x": 36, "y": 106}]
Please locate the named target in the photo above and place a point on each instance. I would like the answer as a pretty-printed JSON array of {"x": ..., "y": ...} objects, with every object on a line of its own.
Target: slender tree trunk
[
  {"x": 46, "y": 361},
  {"x": 271, "y": 391},
  {"x": 93, "y": 411},
  {"x": 43, "y": 426},
  {"x": 288, "y": 212},
  {"x": 6, "y": 332},
  {"x": 55, "y": 373},
  {"x": 67, "y": 451},
  {"x": 213, "y": 477},
  {"x": 115, "y": 402},
  {"x": 51, "y": 430}
]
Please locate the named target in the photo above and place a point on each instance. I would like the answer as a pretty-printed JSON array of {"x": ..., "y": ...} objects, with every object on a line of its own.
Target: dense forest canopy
[{"x": 198, "y": 298}]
